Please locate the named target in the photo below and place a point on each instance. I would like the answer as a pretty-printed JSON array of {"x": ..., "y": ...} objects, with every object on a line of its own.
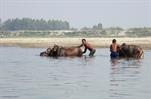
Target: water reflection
[
  {"x": 114, "y": 61},
  {"x": 127, "y": 62},
  {"x": 125, "y": 75}
]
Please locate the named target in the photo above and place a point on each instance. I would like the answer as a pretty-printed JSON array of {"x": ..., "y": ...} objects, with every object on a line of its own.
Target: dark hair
[
  {"x": 83, "y": 39},
  {"x": 114, "y": 41}
]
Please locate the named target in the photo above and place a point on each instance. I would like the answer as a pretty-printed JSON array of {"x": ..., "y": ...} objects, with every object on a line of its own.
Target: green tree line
[{"x": 33, "y": 24}]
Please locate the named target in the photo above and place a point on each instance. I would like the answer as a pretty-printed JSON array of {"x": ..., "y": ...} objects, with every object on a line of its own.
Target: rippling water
[{"x": 26, "y": 75}]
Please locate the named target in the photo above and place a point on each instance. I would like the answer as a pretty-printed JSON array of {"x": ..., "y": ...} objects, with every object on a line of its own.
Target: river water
[{"x": 26, "y": 75}]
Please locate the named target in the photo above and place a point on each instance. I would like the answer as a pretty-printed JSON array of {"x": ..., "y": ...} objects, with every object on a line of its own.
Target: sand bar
[{"x": 49, "y": 42}]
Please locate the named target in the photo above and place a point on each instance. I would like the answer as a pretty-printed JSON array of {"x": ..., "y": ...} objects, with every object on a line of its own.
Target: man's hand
[{"x": 84, "y": 50}]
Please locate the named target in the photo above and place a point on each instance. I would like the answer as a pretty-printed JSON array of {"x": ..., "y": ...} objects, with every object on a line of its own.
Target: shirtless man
[
  {"x": 114, "y": 49},
  {"x": 87, "y": 46}
]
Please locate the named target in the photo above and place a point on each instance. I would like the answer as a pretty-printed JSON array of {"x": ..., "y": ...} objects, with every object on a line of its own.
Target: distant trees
[
  {"x": 32, "y": 24},
  {"x": 141, "y": 31},
  {"x": 41, "y": 27}
]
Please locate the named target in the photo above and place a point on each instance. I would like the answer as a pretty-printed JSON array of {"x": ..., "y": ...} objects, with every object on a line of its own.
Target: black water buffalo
[{"x": 130, "y": 51}]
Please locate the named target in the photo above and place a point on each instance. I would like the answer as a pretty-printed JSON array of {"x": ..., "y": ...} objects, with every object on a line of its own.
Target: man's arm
[
  {"x": 110, "y": 48},
  {"x": 85, "y": 50},
  {"x": 80, "y": 45}
]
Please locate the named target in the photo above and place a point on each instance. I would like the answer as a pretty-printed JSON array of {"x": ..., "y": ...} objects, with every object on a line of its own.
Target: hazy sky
[{"x": 124, "y": 13}]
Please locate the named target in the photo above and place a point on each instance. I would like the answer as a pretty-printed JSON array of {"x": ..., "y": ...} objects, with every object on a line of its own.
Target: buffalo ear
[
  {"x": 54, "y": 44},
  {"x": 123, "y": 44},
  {"x": 42, "y": 53},
  {"x": 49, "y": 49}
]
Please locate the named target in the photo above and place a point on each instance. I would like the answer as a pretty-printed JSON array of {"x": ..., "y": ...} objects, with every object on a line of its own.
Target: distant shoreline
[{"x": 144, "y": 42}]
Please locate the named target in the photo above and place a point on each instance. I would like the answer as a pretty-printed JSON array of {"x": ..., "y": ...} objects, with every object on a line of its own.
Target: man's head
[
  {"x": 83, "y": 40},
  {"x": 114, "y": 41}
]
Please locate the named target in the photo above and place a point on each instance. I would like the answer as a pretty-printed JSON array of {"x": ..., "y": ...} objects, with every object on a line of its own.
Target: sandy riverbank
[{"x": 96, "y": 42}]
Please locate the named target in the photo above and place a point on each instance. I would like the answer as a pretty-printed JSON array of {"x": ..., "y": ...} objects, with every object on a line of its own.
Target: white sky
[{"x": 124, "y": 13}]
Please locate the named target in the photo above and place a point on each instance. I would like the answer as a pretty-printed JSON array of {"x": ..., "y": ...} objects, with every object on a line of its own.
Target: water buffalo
[
  {"x": 58, "y": 51},
  {"x": 64, "y": 51},
  {"x": 130, "y": 51}
]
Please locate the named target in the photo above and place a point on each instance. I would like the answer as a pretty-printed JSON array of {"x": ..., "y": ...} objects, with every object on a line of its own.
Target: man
[
  {"x": 114, "y": 49},
  {"x": 87, "y": 46}
]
